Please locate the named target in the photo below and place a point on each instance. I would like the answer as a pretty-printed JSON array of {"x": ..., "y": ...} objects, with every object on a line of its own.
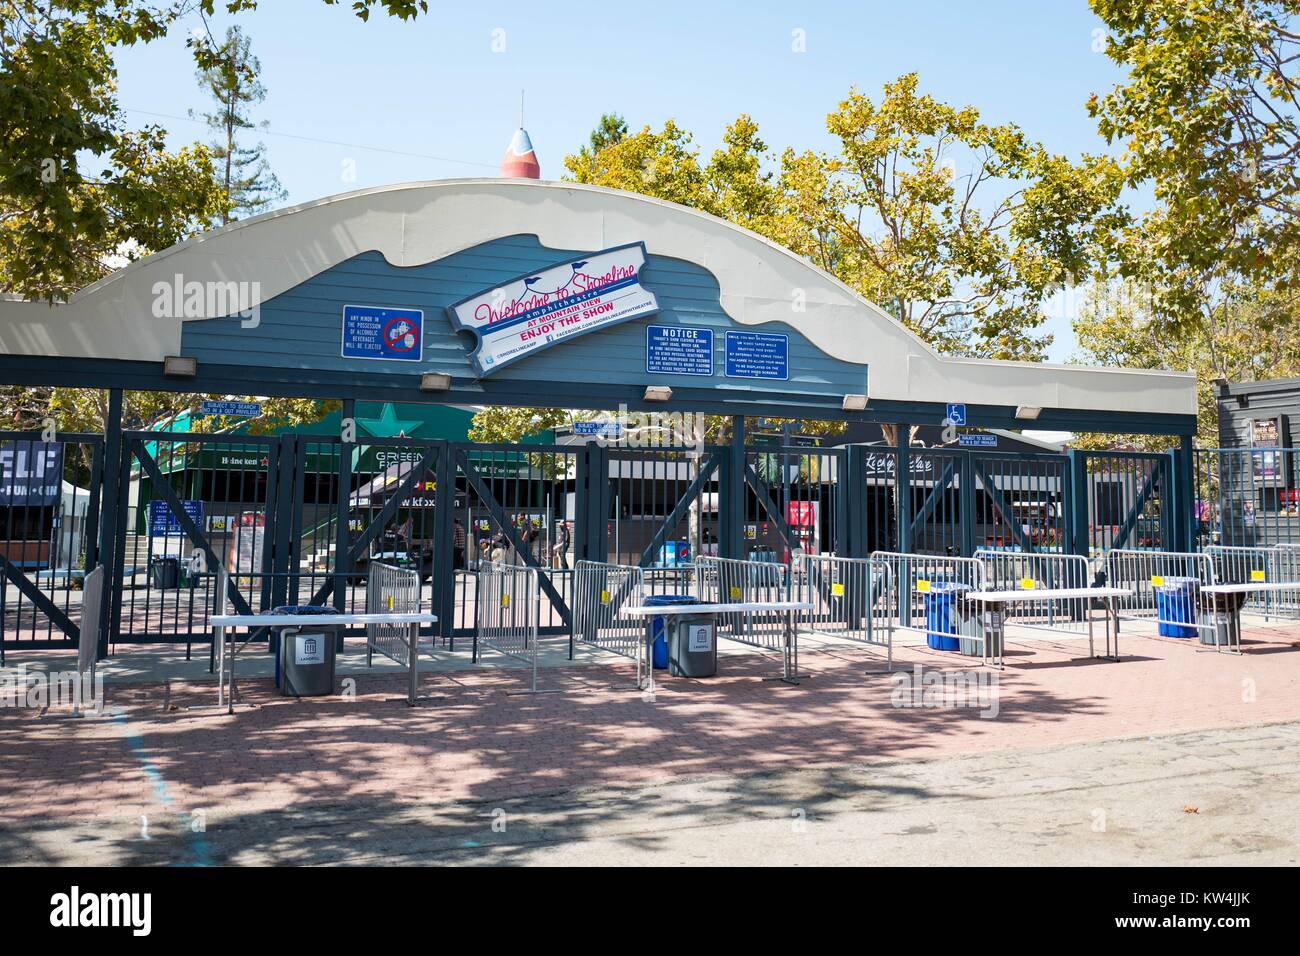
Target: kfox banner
[{"x": 539, "y": 309}]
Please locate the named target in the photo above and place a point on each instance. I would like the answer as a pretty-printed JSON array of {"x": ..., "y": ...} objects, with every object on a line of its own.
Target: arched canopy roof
[{"x": 425, "y": 246}]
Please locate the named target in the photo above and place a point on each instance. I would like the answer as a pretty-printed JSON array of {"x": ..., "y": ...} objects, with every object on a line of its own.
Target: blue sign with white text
[
  {"x": 978, "y": 440},
  {"x": 675, "y": 350},
  {"x": 233, "y": 409},
  {"x": 956, "y": 414},
  {"x": 607, "y": 429},
  {"x": 371, "y": 332},
  {"x": 163, "y": 522},
  {"x": 758, "y": 355}
]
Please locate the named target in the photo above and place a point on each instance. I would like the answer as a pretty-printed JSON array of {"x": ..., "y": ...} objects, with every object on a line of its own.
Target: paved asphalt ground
[
  {"x": 1226, "y": 797},
  {"x": 1169, "y": 757}
]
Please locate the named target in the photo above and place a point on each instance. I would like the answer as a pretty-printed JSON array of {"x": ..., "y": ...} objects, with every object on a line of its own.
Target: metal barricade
[
  {"x": 1168, "y": 589},
  {"x": 391, "y": 590},
  {"x": 506, "y": 613},
  {"x": 913, "y": 576},
  {"x": 850, "y": 599},
  {"x": 735, "y": 581},
  {"x": 600, "y": 591},
  {"x": 1026, "y": 570},
  {"x": 1249, "y": 565}
]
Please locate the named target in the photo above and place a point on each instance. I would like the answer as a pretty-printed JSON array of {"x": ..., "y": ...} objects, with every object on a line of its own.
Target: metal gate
[{"x": 49, "y": 535}]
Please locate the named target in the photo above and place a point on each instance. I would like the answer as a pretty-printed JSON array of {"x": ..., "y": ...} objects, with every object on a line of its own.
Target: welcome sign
[{"x": 540, "y": 309}]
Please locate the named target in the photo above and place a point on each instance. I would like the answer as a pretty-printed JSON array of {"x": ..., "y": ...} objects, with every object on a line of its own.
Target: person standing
[
  {"x": 458, "y": 544},
  {"x": 561, "y": 547}
]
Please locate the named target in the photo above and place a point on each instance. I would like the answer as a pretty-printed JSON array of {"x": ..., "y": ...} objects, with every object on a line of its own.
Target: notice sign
[
  {"x": 371, "y": 332},
  {"x": 163, "y": 522},
  {"x": 758, "y": 355},
  {"x": 231, "y": 409},
  {"x": 673, "y": 350},
  {"x": 539, "y": 309},
  {"x": 977, "y": 440}
]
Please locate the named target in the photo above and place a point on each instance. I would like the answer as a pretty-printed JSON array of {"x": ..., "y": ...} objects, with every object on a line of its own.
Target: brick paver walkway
[{"x": 479, "y": 744}]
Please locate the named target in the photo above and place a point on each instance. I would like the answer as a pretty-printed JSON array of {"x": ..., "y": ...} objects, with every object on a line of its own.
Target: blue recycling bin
[
  {"x": 658, "y": 626},
  {"x": 941, "y": 633},
  {"x": 1176, "y": 607}
]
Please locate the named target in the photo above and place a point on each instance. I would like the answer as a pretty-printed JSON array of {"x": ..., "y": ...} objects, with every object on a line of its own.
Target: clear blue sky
[{"x": 436, "y": 89}]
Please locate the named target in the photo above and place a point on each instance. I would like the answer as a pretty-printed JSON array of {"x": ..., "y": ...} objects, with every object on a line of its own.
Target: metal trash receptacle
[
  {"x": 165, "y": 572},
  {"x": 1227, "y": 621},
  {"x": 305, "y": 653},
  {"x": 658, "y": 627},
  {"x": 983, "y": 625},
  {"x": 693, "y": 650},
  {"x": 942, "y": 615}
]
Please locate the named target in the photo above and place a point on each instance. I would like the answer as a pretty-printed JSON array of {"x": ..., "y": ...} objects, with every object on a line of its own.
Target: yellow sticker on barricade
[
  {"x": 390, "y": 602},
  {"x": 1157, "y": 580},
  {"x": 922, "y": 584},
  {"x": 505, "y": 600},
  {"x": 837, "y": 590},
  {"x": 1257, "y": 575},
  {"x": 735, "y": 592},
  {"x": 604, "y": 597},
  {"x": 1026, "y": 584}
]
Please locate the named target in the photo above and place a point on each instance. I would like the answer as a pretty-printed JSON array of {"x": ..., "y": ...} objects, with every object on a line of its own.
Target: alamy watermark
[
  {"x": 212, "y": 299},
  {"x": 976, "y": 689},
  {"x": 43, "y": 689}
]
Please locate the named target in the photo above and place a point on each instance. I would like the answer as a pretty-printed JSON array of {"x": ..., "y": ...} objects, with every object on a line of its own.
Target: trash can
[
  {"x": 981, "y": 626},
  {"x": 658, "y": 627},
  {"x": 693, "y": 650},
  {"x": 943, "y": 616},
  {"x": 305, "y": 653},
  {"x": 1227, "y": 621},
  {"x": 164, "y": 572},
  {"x": 1176, "y": 607}
]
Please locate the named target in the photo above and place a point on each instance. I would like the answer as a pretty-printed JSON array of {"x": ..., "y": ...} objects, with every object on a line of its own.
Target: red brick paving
[{"x": 480, "y": 744}]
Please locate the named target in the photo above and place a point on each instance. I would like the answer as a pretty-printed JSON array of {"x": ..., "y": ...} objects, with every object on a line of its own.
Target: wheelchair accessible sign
[{"x": 373, "y": 332}]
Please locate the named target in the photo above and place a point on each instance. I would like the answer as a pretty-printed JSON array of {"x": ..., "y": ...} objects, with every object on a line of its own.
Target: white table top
[
  {"x": 1250, "y": 587},
  {"x": 307, "y": 620},
  {"x": 1044, "y": 594},
  {"x": 648, "y": 610}
]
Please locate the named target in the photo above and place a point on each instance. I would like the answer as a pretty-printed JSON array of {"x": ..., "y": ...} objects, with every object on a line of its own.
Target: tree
[
  {"x": 247, "y": 183},
  {"x": 1209, "y": 121},
  {"x": 80, "y": 194},
  {"x": 1254, "y": 335},
  {"x": 960, "y": 229}
]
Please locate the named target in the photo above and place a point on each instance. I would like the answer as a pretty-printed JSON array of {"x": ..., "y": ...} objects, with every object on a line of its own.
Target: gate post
[
  {"x": 342, "y": 530},
  {"x": 967, "y": 505},
  {"x": 854, "y": 494},
  {"x": 1184, "y": 494},
  {"x": 1078, "y": 504},
  {"x": 444, "y": 570},
  {"x": 109, "y": 610},
  {"x": 732, "y": 508},
  {"x": 591, "y": 504},
  {"x": 903, "y": 488}
]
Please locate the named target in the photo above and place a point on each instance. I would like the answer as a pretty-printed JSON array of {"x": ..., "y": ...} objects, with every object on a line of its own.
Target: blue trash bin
[
  {"x": 657, "y": 629},
  {"x": 1176, "y": 607},
  {"x": 941, "y": 631}
]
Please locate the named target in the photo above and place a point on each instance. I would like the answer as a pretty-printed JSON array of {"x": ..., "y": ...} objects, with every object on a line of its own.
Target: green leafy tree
[
  {"x": 961, "y": 229},
  {"x": 1255, "y": 335},
  {"x": 1209, "y": 122},
  {"x": 77, "y": 187},
  {"x": 247, "y": 183}
]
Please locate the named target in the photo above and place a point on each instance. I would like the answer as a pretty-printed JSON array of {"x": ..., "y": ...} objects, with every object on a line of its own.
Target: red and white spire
[{"x": 520, "y": 162}]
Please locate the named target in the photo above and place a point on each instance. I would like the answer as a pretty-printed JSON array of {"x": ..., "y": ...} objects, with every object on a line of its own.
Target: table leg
[
  {"x": 413, "y": 666},
  {"x": 218, "y": 639}
]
